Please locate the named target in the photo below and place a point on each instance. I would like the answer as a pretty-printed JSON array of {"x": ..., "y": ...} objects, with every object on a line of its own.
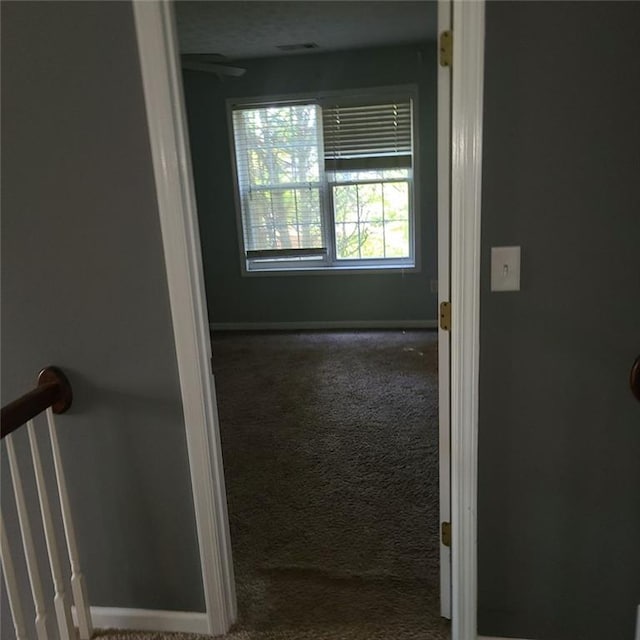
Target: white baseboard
[
  {"x": 148, "y": 620},
  {"x": 171, "y": 621},
  {"x": 324, "y": 325}
]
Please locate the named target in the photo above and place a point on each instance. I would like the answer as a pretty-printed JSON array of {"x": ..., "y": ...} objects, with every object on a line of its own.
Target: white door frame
[
  {"x": 162, "y": 83},
  {"x": 159, "y": 63},
  {"x": 444, "y": 295},
  {"x": 466, "y": 180}
]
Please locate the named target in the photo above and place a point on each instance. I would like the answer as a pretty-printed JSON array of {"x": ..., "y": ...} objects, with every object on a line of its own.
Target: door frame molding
[
  {"x": 162, "y": 83},
  {"x": 155, "y": 28},
  {"x": 444, "y": 295},
  {"x": 467, "y": 84}
]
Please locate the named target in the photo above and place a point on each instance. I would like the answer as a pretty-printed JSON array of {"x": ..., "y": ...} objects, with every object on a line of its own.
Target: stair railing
[{"x": 53, "y": 395}]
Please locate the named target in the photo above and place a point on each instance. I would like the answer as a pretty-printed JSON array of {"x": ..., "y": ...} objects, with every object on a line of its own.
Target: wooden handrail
[{"x": 53, "y": 391}]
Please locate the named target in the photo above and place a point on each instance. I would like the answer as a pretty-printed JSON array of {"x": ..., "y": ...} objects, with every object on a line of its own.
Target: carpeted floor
[{"x": 330, "y": 444}]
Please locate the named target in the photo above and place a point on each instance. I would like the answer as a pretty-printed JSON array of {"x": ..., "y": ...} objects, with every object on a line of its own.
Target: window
[{"x": 326, "y": 183}]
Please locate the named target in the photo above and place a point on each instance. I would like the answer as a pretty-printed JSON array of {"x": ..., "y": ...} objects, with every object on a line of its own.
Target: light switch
[{"x": 505, "y": 268}]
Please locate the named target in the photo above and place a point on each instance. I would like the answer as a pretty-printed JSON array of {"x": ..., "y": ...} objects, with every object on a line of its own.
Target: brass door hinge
[
  {"x": 446, "y": 48},
  {"x": 445, "y": 316},
  {"x": 446, "y": 534}
]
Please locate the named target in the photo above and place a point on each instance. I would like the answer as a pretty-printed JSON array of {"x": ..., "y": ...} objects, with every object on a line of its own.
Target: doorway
[
  {"x": 156, "y": 36},
  {"x": 236, "y": 91}
]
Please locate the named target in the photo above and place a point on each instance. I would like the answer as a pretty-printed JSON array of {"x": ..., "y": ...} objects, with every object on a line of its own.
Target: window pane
[
  {"x": 259, "y": 204},
  {"x": 372, "y": 240},
  {"x": 345, "y": 202},
  {"x": 311, "y": 235},
  {"x": 396, "y": 200},
  {"x": 372, "y": 220},
  {"x": 370, "y": 203},
  {"x": 263, "y": 236},
  {"x": 292, "y": 216},
  {"x": 308, "y": 206},
  {"x": 284, "y": 206},
  {"x": 396, "y": 239},
  {"x": 347, "y": 240}
]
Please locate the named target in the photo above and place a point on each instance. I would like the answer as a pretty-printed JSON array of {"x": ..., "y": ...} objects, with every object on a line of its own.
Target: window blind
[
  {"x": 367, "y": 135},
  {"x": 277, "y": 152}
]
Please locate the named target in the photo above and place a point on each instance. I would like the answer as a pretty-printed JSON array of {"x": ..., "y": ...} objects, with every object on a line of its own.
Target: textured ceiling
[{"x": 253, "y": 29}]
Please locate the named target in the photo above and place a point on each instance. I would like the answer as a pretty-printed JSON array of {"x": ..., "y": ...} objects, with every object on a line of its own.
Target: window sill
[{"x": 399, "y": 269}]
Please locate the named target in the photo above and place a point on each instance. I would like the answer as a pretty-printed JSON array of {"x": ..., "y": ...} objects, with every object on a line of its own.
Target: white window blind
[
  {"x": 279, "y": 178},
  {"x": 373, "y": 135}
]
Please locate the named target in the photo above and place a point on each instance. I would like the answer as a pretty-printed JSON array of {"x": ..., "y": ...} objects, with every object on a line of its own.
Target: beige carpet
[{"x": 330, "y": 444}]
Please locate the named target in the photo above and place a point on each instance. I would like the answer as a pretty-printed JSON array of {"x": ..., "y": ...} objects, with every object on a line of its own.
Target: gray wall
[
  {"x": 233, "y": 298},
  {"x": 83, "y": 287},
  {"x": 559, "y": 467}
]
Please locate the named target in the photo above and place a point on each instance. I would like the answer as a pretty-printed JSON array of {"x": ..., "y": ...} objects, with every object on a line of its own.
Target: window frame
[{"x": 330, "y": 263}]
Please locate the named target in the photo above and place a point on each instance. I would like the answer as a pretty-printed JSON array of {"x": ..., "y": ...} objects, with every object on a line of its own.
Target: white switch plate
[{"x": 505, "y": 268}]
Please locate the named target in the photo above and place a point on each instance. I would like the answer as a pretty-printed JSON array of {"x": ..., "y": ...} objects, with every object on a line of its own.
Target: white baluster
[
  {"x": 63, "y": 610},
  {"x": 12, "y": 585},
  {"x": 27, "y": 543},
  {"x": 77, "y": 579}
]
